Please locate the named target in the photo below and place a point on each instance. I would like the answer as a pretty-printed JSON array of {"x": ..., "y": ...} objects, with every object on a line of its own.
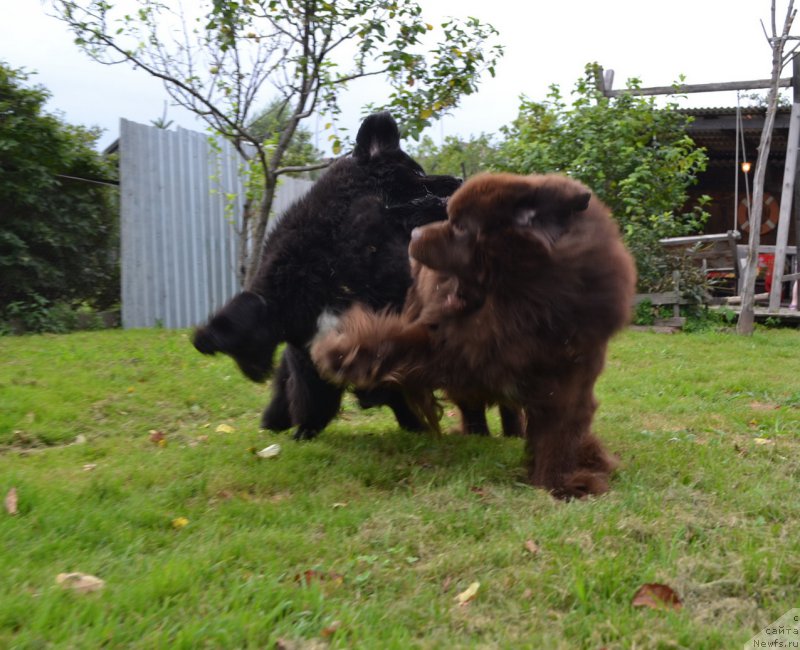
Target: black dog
[{"x": 346, "y": 241}]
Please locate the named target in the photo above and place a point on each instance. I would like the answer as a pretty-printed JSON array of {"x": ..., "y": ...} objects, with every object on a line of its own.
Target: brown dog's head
[{"x": 496, "y": 215}]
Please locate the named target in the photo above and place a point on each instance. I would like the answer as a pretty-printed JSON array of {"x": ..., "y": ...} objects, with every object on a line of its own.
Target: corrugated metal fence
[{"x": 178, "y": 240}]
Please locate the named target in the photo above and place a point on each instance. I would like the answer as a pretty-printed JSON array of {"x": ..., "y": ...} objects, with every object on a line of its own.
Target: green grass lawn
[{"x": 364, "y": 537}]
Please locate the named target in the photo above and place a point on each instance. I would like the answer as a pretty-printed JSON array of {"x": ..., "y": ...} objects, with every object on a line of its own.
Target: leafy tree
[
  {"x": 270, "y": 123},
  {"x": 58, "y": 228},
  {"x": 216, "y": 60},
  {"x": 456, "y": 156},
  {"x": 635, "y": 155}
]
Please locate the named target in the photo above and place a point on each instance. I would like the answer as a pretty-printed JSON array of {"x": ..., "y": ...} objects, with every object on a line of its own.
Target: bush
[
  {"x": 59, "y": 228},
  {"x": 636, "y": 156}
]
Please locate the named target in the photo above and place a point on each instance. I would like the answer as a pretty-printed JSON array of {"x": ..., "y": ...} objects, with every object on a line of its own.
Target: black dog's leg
[
  {"x": 313, "y": 402},
  {"x": 473, "y": 419},
  {"x": 512, "y": 419},
  {"x": 394, "y": 400},
  {"x": 277, "y": 416}
]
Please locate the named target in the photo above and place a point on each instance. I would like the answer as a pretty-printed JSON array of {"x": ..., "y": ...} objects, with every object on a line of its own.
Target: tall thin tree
[{"x": 780, "y": 58}]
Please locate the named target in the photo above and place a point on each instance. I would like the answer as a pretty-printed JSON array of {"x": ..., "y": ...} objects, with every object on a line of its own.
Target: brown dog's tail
[{"x": 368, "y": 349}]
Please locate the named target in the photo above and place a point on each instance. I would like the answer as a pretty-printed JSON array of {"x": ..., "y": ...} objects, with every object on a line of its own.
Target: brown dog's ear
[
  {"x": 524, "y": 216},
  {"x": 580, "y": 201}
]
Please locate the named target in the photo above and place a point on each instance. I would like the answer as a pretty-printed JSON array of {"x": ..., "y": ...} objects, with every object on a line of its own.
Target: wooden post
[
  {"x": 796, "y": 203},
  {"x": 787, "y": 193}
]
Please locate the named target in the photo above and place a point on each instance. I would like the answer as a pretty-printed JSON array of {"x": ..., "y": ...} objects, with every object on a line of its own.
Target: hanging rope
[{"x": 740, "y": 134}]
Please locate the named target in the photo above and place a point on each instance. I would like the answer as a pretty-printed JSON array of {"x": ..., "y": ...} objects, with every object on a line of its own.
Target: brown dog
[{"x": 514, "y": 300}]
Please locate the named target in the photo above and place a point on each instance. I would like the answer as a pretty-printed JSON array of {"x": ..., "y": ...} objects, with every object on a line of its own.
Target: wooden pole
[
  {"x": 785, "y": 215},
  {"x": 796, "y": 202},
  {"x": 746, "y": 320}
]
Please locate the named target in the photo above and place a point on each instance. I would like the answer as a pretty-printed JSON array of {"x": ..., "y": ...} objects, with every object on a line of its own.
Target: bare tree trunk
[
  {"x": 243, "y": 251},
  {"x": 259, "y": 230},
  {"x": 777, "y": 42}
]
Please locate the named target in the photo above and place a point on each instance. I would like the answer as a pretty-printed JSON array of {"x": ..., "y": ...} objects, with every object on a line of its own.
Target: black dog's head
[
  {"x": 399, "y": 176},
  {"x": 241, "y": 329}
]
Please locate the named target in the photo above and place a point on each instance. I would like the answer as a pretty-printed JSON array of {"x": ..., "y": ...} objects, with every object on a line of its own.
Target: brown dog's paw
[
  {"x": 582, "y": 483},
  {"x": 592, "y": 456}
]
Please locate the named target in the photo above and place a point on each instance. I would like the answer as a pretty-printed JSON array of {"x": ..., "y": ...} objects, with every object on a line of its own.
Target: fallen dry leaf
[
  {"x": 329, "y": 631},
  {"x": 225, "y": 428},
  {"x": 302, "y": 644},
  {"x": 762, "y": 441},
  {"x": 158, "y": 437},
  {"x": 311, "y": 575},
  {"x": 656, "y": 596},
  {"x": 269, "y": 452},
  {"x": 480, "y": 492},
  {"x": 180, "y": 522},
  {"x": 88, "y": 467},
  {"x": 11, "y": 501},
  {"x": 532, "y": 547},
  {"x": 81, "y": 583},
  {"x": 764, "y": 406},
  {"x": 339, "y": 504},
  {"x": 468, "y": 594}
]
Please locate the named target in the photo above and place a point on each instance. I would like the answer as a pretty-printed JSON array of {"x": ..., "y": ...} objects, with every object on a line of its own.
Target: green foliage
[
  {"x": 634, "y": 154},
  {"x": 456, "y": 156},
  {"x": 308, "y": 53},
  {"x": 58, "y": 235},
  {"x": 268, "y": 125}
]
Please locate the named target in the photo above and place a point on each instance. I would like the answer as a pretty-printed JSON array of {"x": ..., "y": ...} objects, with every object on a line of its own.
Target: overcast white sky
[{"x": 546, "y": 42}]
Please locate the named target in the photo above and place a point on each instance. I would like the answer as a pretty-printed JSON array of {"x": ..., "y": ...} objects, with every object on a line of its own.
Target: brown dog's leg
[{"x": 563, "y": 456}]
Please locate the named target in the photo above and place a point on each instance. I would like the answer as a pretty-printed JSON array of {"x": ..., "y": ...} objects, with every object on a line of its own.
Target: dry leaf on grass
[
  {"x": 81, "y": 583},
  {"x": 532, "y": 547},
  {"x": 269, "y": 452},
  {"x": 762, "y": 441},
  {"x": 329, "y": 631},
  {"x": 302, "y": 644},
  {"x": 11, "y": 501},
  {"x": 764, "y": 406},
  {"x": 180, "y": 522},
  {"x": 477, "y": 489},
  {"x": 158, "y": 437},
  {"x": 225, "y": 428},
  {"x": 313, "y": 575},
  {"x": 656, "y": 596},
  {"x": 468, "y": 594}
]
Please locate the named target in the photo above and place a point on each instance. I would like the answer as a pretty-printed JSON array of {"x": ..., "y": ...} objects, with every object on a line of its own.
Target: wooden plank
[
  {"x": 679, "y": 89},
  {"x": 785, "y": 213},
  {"x": 658, "y": 299},
  {"x": 697, "y": 239}
]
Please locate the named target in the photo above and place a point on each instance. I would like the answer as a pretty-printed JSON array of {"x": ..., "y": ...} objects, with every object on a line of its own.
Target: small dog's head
[{"x": 241, "y": 329}]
